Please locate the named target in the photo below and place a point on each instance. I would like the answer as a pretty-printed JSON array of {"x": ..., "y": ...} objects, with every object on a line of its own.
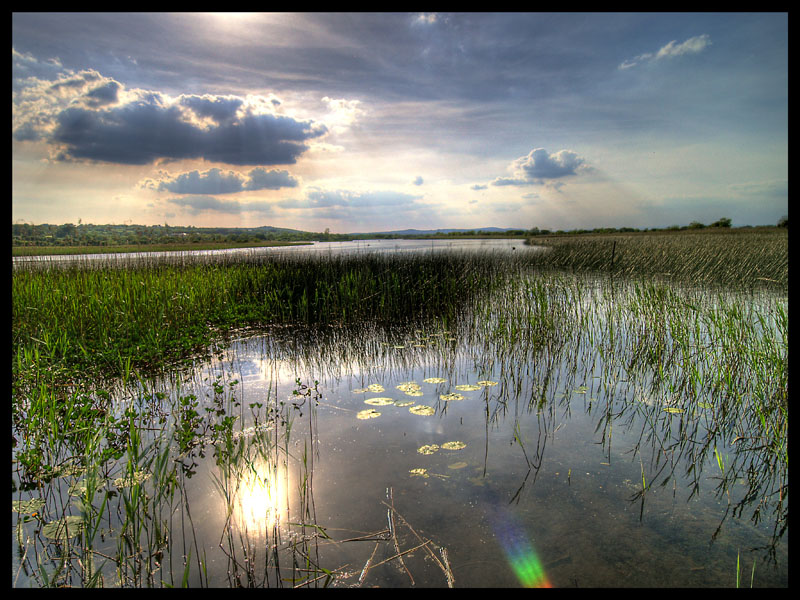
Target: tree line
[{"x": 86, "y": 234}]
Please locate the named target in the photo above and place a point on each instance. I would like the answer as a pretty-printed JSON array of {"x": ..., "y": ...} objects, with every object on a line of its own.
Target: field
[{"x": 680, "y": 336}]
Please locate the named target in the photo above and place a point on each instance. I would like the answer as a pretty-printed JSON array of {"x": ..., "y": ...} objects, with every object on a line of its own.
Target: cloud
[
  {"x": 479, "y": 186},
  {"x": 261, "y": 179},
  {"x": 539, "y": 166},
  {"x": 425, "y": 19},
  {"x": 692, "y": 45},
  {"x": 342, "y": 113},
  {"x": 418, "y": 180},
  {"x": 197, "y": 204},
  {"x": 317, "y": 197},
  {"x": 217, "y": 181},
  {"x": 86, "y": 116}
]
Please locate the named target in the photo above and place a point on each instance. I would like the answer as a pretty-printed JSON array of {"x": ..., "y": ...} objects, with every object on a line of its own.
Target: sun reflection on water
[{"x": 259, "y": 498}]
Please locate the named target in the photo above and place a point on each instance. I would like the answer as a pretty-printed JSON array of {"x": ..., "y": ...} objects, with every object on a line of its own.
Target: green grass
[
  {"x": 116, "y": 316},
  {"x": 734, "y": 257}
]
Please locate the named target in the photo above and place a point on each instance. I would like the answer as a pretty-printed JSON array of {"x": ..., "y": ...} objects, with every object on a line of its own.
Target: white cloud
[
  {"x": 539, "y": 167},
  {"x": 691, "y": 46}
]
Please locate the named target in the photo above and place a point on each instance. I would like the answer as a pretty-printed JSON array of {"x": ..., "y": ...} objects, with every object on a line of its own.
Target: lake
[{"x": 428, "y": 454}]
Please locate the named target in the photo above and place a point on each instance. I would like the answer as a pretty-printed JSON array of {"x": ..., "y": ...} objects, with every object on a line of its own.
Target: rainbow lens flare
[{"x": 520, "y": 553}]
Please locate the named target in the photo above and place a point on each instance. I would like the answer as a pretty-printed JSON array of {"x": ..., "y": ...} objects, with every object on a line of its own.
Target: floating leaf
[
  {"x": 467, "y": 387},
  {"x": 63, "y": 529},
  {"x": 428, "y": 449},
  {"x": 415, "y": 393},
  {"x": 379, "y": 401},
  {"x": 487, "y": 383},
  {"x": 409, "y": 386},
  {"x": 27, "y": 507},
  {"x": 705, "y": 405},
  {"x": 404, "y": 403},
  {"x": 419, "y": 472},
  {"x": 375, "y": 387},
  {"x": 421, "y": 409},
  {"x": 451, "y": 396},
  {"x": 673, "y": 409},
  {"x": 458, "y": 465},
  {"x": 398, "y": 347},
  {"x": 434, "y": 380},
  {"x": 361, "y": 391},
  {"x": 454, "y": 445},
  {"x": 369, "y": 413}
]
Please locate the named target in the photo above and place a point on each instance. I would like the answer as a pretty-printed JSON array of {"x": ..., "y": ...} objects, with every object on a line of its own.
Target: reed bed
[
  {"x": 736, "y": 257},
  {"x": 99, "y": 320}
]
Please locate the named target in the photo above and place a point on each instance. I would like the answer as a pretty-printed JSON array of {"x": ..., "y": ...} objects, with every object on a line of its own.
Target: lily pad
[
  {"x": 361, "y": 390},
  {"x": 434, "y": 380},
  {"x": 409, "y": 386},
  {"x": 419, "y": 472},
  {"x": 415, "y": 393},
  {"x": 379, "y": 401},
  {"x": 467, "y": 387},
  {"x": 421, "y": 409},
  {"x": 63, "y": 529},
  {"x": 404, "y": 403},
  {"x": 673, "y": 409},
  {"x": 27, "y": 507},
  {"x": 487, "y": 383},
  {"x": 458, "y": 465},
  {"x": 375, "y": 387},
  {"x": 454, "y": 445},
  {"x": 428, "y": 449},
  {"x": 451, "y": 396},
  {"x": 369, "y": 413}
]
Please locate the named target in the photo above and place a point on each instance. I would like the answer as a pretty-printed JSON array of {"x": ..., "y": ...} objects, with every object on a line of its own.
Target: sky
[{"x": 361, "y": 122}]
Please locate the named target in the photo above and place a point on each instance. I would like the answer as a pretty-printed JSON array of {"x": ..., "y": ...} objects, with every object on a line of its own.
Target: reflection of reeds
[{"x": 704, "y": 369}]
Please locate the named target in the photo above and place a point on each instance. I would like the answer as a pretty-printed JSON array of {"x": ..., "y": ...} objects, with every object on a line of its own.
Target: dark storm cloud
[
  {"x": 147, "y": 130},
  {"x": 220, "y": 109},
  {"x": 103, "y": 95}
]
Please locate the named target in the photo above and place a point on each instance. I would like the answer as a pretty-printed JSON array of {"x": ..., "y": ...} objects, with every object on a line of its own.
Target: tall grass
[
  {"x": 738, "y": 257},
  {"x": 101, "y": 319}
]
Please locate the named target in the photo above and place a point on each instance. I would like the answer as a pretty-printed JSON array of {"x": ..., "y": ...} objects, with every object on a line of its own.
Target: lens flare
[{"x": 520, "y": 552}]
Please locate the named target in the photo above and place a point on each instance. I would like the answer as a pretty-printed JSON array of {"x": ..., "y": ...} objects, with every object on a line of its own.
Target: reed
[{"x": 742, "y": 258}]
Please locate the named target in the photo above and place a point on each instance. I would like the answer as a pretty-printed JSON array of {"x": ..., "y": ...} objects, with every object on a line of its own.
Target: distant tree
[
  {"x": 784, "y": 221},
  {"x": 696, "y": 225},
  {"x": 65, "y": 230},
  {"x": 723, "y": 222}
]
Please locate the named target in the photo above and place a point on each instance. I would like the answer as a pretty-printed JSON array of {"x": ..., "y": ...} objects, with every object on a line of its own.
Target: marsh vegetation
[{"x": 424, "y": 419}]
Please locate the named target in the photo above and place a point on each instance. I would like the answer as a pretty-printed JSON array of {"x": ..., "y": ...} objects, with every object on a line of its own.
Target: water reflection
[{"x": 579, "y": 467}]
